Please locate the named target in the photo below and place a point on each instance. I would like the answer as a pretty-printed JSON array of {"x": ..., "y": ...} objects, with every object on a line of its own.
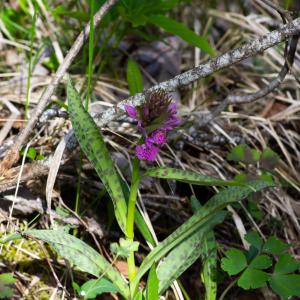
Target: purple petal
[
  {"x": 159, "y": 136},
  {"x": 149, "y": 141},
  {"x": 145, "y": 152},
  {"x": 152, "y": 153},
  {"x": 172, "y": 108},
  {"x": 171, "y": 122},
  {"x": 131, "y": 111},
  {"x": 140, "y": 151}
]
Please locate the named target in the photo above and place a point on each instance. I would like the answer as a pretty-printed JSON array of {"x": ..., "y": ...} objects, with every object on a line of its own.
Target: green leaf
[
  {"x": 187, "y": 176},
  {"x": 139, "y": 296},
  {"x": 182, "y": 31},
  {"x": 254, "y": 239},
  {"x": 76, "y": 287},
  {"x": 124, "y": 248},
  {"x": 134, "y": 77},
  {"x": 31, "y": 153},
  {"x": 238, "y": 153},
  {"x": 92, "y": 288},
  {"x": 255, "y": 154},
  {"x": 40, "y": 157},
  {"x": 195, "y": 203},
  {"x": 285, "y": 285},
  {"x": 275, "y": 246},
  {"x": 6, "y": 279},
  {"x": 185, "y": 254},
  {"x": 93, "y": 145},
  {"x": 288, "y": 4},
  {"x": 241, "y": 178},
  {"x": 253, "y": 279},
  {"x": 11, "y": 237},
  {"x": 84, "y": 257},
  {"x": 261, "y": 262},
  {"x": 286, "y": 264},
  {"x": 209, "y": 260},
  {"x": 234, "y": 262},
  {"x": 197, "y": 221},
  {"x": 152, "y": 285},
  {"x": 255, "y": 211},
  {"x": 208, "y": 254}
]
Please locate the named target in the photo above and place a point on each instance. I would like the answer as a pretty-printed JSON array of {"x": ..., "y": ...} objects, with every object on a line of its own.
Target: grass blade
[
  {"x": 181, "y": 30},
  {"x": 134, "y": 77}
]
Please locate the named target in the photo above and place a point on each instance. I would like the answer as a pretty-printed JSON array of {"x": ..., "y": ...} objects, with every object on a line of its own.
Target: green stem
[
  {"x": 130, "y": 215},
  {"x": 228, "y": 288},
  {"x": 78, "y": 189}
]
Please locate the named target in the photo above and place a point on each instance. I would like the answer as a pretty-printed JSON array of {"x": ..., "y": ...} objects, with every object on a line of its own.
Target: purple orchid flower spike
[{"x": 157, "y": 106}]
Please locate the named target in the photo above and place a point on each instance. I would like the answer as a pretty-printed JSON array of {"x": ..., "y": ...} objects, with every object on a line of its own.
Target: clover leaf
[
  {"x": 261, "y": 262},
  {"x": 285, "y": 285},
  {"x": 234, "y": 262},
  {"x": 275, "y": 246},
  {"x": 253, "y": 279},
  {"x": 286, "y": 264},
  {"x": 254, "y": 239}
]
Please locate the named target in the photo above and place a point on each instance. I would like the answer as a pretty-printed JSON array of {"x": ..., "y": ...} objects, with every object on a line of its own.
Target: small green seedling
[{"x": 6, "y": 280}]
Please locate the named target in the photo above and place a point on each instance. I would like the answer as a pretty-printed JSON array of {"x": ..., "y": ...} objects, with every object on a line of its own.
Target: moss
[{"x": 28, "y": 258}]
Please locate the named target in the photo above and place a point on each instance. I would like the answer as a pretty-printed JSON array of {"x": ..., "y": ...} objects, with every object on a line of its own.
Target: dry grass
[{"x": 270, "y": 122}]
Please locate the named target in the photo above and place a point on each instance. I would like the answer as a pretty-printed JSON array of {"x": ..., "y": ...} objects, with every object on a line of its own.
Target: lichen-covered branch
[
  {"x": 270, "y": 87},
  {"x": 249, "y": 49}
]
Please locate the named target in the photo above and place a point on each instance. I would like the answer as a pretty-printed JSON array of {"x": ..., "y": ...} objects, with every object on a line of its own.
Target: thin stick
[
  {"x": 289, "y": 54},
  {"x": 225, "y": 60},
  {"x": 13, "y": 154}
]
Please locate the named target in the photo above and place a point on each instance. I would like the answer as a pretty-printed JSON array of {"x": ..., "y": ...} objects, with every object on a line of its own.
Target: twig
[
  {"x": 225, "y": 60},
  {"x": 282, "y": 12},
  {"x": 274, "y": 83},
  {"x": 261, "y": 93},
  {"x": 289, "y": 53},
  {"x": 13, "y": 154}
]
